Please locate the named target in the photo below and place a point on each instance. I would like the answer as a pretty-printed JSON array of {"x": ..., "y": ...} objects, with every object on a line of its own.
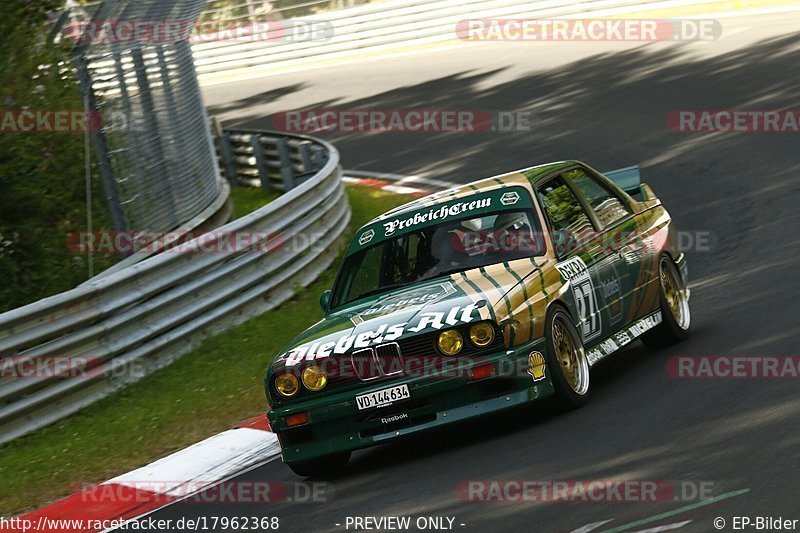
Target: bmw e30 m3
[{"x": 475, "y": 299}]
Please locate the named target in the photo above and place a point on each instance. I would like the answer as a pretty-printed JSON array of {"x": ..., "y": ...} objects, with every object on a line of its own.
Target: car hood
[{"x": 424, "y": 307}]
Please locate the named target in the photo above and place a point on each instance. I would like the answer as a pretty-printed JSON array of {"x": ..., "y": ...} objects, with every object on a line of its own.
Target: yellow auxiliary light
[
  {"x": 287, "y": 385},
  {"x": 314, "y": 378},
  {"x": 481, "y": 334},
  {"x": 450, "y": 342}
]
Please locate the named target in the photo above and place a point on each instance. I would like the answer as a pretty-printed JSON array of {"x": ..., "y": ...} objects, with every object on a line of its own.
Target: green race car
[{"x": 476, "y": 299}]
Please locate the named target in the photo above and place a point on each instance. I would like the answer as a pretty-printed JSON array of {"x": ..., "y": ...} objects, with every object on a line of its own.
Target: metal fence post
[
  {"x": 159, "y": 168},
  {"x": 287, "y": 172},
  {"x": 149, "y": 115},
  {"x": 227, "y": 157},
  {"x": 225, "y": 153},
  {"x": 261, "y": 164},
  {"x": 101, "y": 150},
  {"x": 305, "y": 154}
]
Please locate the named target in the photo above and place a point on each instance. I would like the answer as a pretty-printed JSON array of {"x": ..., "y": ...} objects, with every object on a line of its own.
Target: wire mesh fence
[{"x": 154, "y": 147}]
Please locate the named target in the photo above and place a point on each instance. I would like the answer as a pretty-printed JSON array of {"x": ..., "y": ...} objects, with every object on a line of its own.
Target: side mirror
[{"x": 324, "y": 300}]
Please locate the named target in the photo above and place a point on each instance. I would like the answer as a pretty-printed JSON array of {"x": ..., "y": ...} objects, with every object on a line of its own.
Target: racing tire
[
  {"x": 567, "y": 358},
  {"x": 322, "y": 467},
  {"x": 676, "y": 318}
]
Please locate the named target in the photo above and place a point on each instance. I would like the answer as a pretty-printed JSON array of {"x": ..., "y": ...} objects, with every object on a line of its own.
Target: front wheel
[
  {"x": 567, "y": 359},
  {"x": 676, "y": 318},
  {"x": 321, "y": 467}
]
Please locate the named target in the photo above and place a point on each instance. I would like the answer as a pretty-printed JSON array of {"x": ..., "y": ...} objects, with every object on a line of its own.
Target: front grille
[
  {"x": 390, "y": 360},
  {"x": 382, "y": 361},
  {"x": 365, "y": 366}
]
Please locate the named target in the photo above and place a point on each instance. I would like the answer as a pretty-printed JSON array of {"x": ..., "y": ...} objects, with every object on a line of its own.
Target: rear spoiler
[{"x": 629, "y": 180}]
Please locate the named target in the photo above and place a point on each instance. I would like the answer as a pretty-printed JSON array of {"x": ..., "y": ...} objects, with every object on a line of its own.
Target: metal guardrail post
[
  {"x": 287, "y": 171},
  {"x": 319, "y": 158},
  {"x": 227, "y": 157},
  {"x": 261, "y": 163},
  {"x": 305, "y": 154}
]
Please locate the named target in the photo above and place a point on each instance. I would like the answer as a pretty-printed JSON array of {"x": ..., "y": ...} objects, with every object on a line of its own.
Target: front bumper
[{"x": 336, "y": 425}]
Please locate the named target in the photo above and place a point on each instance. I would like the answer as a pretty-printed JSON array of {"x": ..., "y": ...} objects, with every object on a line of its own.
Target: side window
[
  {"x": 567, "y": 218},
  {"x": 605, "y": 204}
]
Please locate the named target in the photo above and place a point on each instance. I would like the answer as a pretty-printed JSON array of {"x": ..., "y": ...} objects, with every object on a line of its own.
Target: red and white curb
[
  {"x": 173, "y": 478},
  {"x": 411, "y": 185}
]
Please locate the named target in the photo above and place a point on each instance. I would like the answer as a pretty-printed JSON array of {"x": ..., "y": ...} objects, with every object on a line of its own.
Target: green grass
[
  {"x": 247, "y": 199},
  {"x": 204, "y": 392}
]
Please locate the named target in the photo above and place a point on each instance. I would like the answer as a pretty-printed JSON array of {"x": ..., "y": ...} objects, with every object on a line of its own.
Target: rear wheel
[
  {"x": 322, "y": 467},
  {"x": 676, "y": 318},
  {"x": 567, "y": 359}
]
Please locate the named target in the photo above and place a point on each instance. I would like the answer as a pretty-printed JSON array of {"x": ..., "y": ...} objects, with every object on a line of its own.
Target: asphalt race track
[{"x": 606, "y": 104}]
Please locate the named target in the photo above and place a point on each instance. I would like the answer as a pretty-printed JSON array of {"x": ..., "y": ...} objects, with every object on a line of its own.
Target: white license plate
[{"x": 382, "y": 397}]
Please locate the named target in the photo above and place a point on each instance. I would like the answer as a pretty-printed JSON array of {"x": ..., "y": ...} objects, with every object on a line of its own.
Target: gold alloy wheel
[
  {"x": 677, "y": 297},
  {"x": 570, "y": 356}
]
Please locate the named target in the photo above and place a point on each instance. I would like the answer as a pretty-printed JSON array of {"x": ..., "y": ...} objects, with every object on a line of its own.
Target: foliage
[{"x": 41, "y": 173}]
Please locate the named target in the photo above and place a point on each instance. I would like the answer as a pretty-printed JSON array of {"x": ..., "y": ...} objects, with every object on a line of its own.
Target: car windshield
[{"x": 438, "y": 250}]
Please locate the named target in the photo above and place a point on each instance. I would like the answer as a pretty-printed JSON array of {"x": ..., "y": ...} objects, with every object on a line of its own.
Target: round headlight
[
  {"x": 286, "y": 385},
  {"x": 481, "y": 334},
  {"x": 450, "y": 342},
  {"x": 314, "y": 378}
]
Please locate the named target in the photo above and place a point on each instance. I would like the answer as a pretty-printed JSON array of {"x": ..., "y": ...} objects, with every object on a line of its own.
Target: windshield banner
[{"x": 501, "y": 199}]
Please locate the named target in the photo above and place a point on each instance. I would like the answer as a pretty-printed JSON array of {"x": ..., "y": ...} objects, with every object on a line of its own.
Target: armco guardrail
[
  {"x": 387, "y": 25},
  {"x": 273, "y": 161},
  {"x": 114, "y": 329}
]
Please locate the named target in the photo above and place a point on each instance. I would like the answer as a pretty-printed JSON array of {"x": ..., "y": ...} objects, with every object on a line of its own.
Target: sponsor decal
[
  {"x": 575, "y": 272},
  {"x": 536, "y": 366},
  {"x": 366, "y": 237},
  {"x": 414, "y": 298},
  {"x": 611, "y": 291},
  {"x": 437, "y": 213},
  {"x": 623, "y": 337},
  {"x": 609, "y": 288},
  {"x": 509, "y": 198},
  {"x": 382, "y": 334},
  {"x": 394, "y": 418}
]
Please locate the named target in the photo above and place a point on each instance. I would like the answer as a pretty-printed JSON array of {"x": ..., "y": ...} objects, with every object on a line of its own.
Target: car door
[
  {"x": 616, "y": 265},
  {"x": 570, "y": 225}
]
